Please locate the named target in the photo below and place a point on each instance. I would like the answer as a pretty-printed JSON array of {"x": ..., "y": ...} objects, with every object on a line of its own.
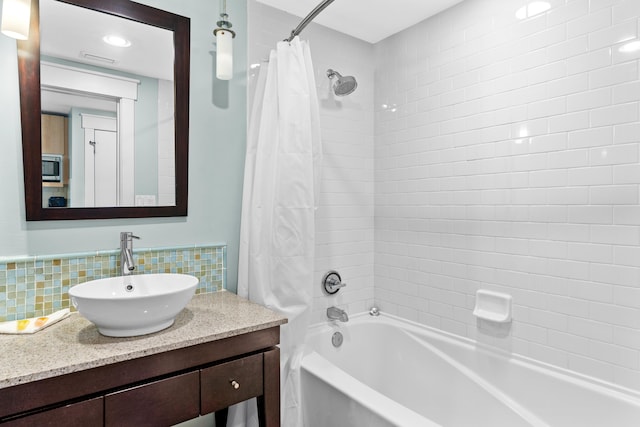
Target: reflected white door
[{"x": 101, "y": 161}]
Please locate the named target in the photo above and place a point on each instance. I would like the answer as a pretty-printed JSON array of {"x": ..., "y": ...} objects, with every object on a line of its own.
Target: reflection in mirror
[
  {"x": 113, "y": 80},
  {"x": 104, "y": 108}
]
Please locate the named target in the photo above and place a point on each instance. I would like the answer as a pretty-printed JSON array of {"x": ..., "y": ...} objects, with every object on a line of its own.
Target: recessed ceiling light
[
  {"x": 532, "y": 9},
  {"x": 118, "y": 41},
  {"x": 632, "y": 46}
]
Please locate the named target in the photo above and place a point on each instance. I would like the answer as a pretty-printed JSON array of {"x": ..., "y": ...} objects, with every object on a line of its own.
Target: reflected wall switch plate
[{"x": 145, "y": 200}]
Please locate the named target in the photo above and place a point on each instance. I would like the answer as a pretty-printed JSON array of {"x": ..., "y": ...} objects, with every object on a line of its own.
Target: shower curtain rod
[{"x": 315, "y": 12}]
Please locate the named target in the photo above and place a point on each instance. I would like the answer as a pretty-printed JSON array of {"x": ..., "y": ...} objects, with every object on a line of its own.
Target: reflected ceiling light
[
  {"x": 15, "y": 18},
  {"x": 632, "y": 46},
  {"x": 117, "y": 41},
  {"x": 532, "y": 9},
  {"x": 224, "y": 41}
]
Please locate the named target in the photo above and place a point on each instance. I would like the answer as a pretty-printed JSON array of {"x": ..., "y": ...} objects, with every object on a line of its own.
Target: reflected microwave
[{"x": 51, "y": 168}]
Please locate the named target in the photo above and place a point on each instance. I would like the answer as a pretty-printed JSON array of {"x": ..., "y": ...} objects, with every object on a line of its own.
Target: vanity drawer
[
  {"x": 160, "y": 403},
  {"x": 81, "y": 414},
  {"x": 231, "y": 382}
]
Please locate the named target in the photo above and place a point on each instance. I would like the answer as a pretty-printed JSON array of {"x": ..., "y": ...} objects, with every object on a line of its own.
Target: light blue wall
[
  {"x": 146, "y": 139},
  {"x": 216, "y": 156}
]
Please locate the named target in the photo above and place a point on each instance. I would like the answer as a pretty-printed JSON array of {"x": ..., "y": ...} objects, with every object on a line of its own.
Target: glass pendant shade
[
  {"x": 15, "y": 18},
  {"x": 224, "y": 54}
]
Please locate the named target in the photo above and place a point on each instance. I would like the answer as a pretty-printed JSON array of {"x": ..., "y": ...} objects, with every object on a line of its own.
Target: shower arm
[{"x": 310, "y": 17}]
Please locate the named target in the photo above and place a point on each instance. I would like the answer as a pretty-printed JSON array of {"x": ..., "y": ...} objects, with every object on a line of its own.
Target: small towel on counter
[{"x": 34, "y": 324}]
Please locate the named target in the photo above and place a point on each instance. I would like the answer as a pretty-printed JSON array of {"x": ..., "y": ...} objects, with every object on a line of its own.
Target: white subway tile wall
[
  {"x": 507, "y": 158},
  {"x": 344, "y": 219}
]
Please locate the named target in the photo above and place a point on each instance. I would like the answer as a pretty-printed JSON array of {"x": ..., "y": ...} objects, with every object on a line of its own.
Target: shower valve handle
[
  {"x": 335, "y": 283},
  {"x": 332, "y": 282}
]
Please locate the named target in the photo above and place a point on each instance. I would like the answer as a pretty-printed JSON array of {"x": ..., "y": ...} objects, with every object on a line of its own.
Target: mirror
[{"x": 105, "y": 127}]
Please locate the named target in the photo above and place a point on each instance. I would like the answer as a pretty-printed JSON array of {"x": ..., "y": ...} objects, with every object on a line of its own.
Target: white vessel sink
[{"x": 128, "y": 306}]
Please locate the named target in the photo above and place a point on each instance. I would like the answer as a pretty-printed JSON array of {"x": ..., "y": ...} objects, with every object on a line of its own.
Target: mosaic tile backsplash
[{"x": 37, "y": 286}]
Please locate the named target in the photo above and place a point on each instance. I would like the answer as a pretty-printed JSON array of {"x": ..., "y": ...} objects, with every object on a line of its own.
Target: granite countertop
[{"x": 74, "y": 343}]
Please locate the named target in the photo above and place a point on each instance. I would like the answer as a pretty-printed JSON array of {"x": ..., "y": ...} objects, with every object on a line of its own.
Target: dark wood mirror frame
[{"x": 30, "y": 110}]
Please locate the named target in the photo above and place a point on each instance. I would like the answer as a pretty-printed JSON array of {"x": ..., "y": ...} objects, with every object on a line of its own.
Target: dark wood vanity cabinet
[
  {"x": 157, "y": 390},
  {"x": 159, "y": 403},
  {"x": 232, "y": 382},
  {"x": 85, "y": 413}
]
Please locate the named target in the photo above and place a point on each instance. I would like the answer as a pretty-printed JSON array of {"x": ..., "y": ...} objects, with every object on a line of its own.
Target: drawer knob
[{"x": 235, "y": 384}]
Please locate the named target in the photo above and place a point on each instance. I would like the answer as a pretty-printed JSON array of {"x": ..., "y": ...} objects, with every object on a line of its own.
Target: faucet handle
[
  {"x": 125, "y": 235},
  {"x": 332, "y": 282}
]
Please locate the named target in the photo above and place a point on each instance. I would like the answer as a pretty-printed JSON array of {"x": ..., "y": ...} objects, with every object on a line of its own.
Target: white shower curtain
[{"x": 277, "y": 236}]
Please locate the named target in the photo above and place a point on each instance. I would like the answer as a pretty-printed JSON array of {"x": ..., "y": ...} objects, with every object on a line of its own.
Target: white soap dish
[{"x": 492, "y": 306}]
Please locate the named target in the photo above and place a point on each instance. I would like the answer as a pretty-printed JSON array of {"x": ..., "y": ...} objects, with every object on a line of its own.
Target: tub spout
[{"x": 334, "y": 313}]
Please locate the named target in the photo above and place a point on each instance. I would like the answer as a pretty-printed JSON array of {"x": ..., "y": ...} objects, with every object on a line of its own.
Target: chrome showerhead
[{"x": 344, "y": 85}]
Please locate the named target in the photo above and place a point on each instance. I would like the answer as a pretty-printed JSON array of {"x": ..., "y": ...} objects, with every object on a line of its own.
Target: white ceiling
[
  {"x": 67, "y": 31},
  {"x": 369, "y": 20}
]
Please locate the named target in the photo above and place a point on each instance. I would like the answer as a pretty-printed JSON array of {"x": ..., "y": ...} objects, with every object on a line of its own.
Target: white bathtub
[{"x": 391, "y": 372}]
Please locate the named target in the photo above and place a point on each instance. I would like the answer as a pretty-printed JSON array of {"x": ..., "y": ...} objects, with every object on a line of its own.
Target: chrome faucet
[
  {"x": 126, "y": 252},
  {"x": 334, "y": 313}
]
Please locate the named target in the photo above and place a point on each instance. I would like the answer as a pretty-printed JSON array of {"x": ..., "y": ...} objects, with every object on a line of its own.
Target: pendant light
[
  {"x": 224, "y": 52},
  {"x": 15, "y": 18}
]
